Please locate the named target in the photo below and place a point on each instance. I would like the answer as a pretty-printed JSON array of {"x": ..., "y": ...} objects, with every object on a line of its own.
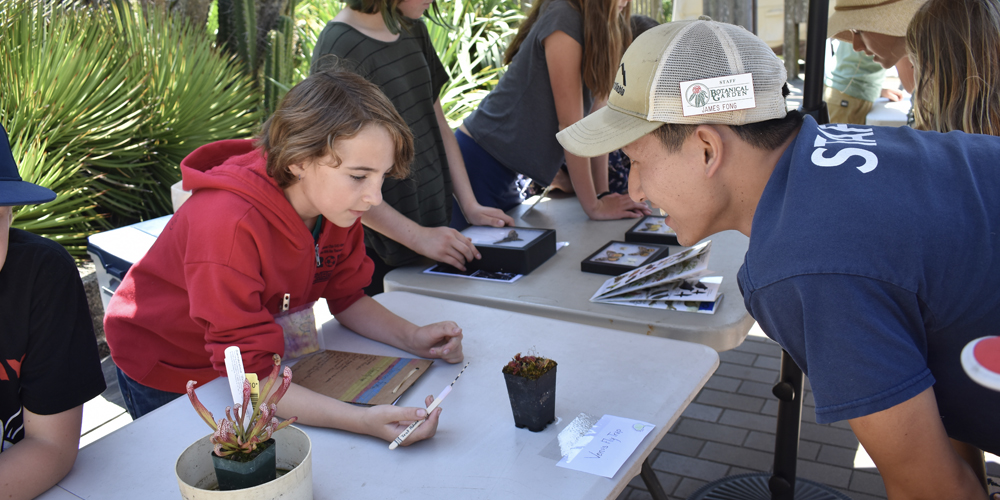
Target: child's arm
[
  {"x": 564, "y": 57},
  {"x": 371, "y": 319},
  {"x": 382, "y": 421},
  {"x": 45, "y": 455},
  {"x": 476, "y": 214},
  {"x": 442, "y": 244}
]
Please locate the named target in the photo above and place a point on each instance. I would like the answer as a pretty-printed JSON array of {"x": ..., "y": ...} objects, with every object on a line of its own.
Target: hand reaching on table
[
  {"x": 479, "y": 215},
  {"x": 387, "y": 422},
  {"x": 617, "y": 206},
  {"x": 437, "y": 340},
  {"x": 446, "y": 245}
]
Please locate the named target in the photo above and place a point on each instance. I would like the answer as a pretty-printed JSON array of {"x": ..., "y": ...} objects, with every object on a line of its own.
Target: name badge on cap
[{"x": 715, "y": 95}]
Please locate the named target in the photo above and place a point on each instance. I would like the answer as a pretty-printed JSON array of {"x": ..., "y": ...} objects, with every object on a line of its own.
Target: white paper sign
[
  {"x": 606, "y": 446},
  {"x": 715, "y": 95}
]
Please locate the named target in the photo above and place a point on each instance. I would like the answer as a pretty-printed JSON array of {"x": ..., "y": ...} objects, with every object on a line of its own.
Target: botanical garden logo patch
[
  {"x": 715, "y": 95},
  {"x": 697, "y": 94}
]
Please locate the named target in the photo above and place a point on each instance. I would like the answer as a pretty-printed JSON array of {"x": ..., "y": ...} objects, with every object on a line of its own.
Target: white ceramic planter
[{"x": 195, "y": 473}]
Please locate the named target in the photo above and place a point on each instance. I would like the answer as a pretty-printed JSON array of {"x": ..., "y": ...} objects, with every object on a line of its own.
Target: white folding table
[
  {"x": 559, "y": 289},
  {"x": 477, "y": 452}
]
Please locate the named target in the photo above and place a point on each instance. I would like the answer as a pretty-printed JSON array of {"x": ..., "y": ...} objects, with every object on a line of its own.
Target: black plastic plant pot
[
  {"x": 236, "y": 475},
  {"x": 532, "y": 401}
]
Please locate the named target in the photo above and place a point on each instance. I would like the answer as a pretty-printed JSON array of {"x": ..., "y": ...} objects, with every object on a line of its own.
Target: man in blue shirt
[{"x": 874, "y": 253}]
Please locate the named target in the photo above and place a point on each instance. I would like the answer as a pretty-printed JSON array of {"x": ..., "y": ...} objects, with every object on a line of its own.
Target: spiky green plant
[
  {"x": 102, "y": 103},
  {"x": 195, "y": 95},
  {"x": 67, "y": 102},
  {"x": 471, "y": 49}
]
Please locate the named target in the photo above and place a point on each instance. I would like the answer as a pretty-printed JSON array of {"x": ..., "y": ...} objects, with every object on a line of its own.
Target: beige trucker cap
[
  {"x": 888, "y": 17},
  {"x": 694, "y": 72}
]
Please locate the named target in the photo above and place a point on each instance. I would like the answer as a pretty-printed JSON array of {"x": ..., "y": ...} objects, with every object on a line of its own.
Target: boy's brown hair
[{"x": 327, "y": 106}]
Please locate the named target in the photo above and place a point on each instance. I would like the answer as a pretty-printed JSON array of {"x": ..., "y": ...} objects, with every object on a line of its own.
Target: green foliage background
[
  {"x": 102, "y": 103},
  {"x": 102, "y": 99}
]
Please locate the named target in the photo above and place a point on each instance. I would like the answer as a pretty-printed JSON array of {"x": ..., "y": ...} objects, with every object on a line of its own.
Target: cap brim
[
  {"x": 24, "y": 193},
  {"x": 603, "y": 131}
]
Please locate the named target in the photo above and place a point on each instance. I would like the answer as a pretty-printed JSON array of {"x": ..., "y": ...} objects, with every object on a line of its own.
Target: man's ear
[{"x": 710, "y": 146}]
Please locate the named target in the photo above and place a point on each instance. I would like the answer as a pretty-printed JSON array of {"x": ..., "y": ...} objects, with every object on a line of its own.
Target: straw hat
[{"x": 888, "y": 17}]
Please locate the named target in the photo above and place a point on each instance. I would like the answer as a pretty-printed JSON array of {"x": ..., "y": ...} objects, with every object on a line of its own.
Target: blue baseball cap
[{"x": 14, "y": 190}]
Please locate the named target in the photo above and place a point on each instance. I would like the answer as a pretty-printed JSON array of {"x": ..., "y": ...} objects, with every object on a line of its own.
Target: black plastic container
[
  {"x": 652, "y": 229},
  {"x": 236, "y": 475},
  {"x": 533, "y": 402},
  {"x": 517, "y": 250}
]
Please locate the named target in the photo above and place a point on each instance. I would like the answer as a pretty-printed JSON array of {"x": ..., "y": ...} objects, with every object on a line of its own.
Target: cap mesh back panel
[{"x": 698, "y": 54}]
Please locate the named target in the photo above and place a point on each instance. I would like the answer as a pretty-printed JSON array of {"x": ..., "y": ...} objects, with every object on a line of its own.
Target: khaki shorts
[{"x": 844, "y": 108}]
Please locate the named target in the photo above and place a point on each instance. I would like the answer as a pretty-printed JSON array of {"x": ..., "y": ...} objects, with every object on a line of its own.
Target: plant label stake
[{"x": 234, "y": 368}]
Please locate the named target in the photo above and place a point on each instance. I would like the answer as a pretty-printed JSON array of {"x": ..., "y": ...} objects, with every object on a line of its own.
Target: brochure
[{"x": 676, "y": 282}]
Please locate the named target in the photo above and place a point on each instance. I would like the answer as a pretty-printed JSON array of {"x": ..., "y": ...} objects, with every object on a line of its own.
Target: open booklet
[{"x": 676, "y": 282}]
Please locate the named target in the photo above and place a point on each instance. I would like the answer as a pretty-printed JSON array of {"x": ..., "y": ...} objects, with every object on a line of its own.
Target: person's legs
[
  {"x": 493, "y": 184},
  {"x": 139, "y": 399},
  {"x": 844, "y": 108}
]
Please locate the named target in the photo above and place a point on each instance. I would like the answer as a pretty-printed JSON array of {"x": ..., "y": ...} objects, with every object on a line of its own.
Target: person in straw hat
[
  {"x": 875, "y": 27},
  {"x": 49, "y": 366},
  {"x": 872, "y": 253}
]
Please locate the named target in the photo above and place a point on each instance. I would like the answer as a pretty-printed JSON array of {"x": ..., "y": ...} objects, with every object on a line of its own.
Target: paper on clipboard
[{"x": 363, "y": 379}]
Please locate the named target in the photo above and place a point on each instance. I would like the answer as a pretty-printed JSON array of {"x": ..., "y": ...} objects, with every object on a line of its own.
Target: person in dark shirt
[
  {"x": 873, "y": 250},
  {"x": 49, "y": 364}
]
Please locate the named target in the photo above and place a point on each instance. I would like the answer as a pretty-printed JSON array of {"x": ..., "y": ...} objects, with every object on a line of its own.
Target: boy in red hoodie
[{"x": 272, "y": 220}]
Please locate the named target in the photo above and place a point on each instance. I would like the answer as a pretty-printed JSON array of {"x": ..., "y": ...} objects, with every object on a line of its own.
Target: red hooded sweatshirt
[{"x": 218, "y": 272}]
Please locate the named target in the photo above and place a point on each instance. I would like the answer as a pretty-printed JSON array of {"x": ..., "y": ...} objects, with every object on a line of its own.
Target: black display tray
[
  {"x": 617, "y": 257},
  {"x": 652, "y": 229},
  {"x": 516, "y": 250}
]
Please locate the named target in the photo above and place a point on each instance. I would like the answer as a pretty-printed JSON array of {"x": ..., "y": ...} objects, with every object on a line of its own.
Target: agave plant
[
  {"x": 194, "y": 95},
  {"x": 471, "y": 49},
  {"x": 68, "y": 105},
  {"x": 237, "y": 435},
  {"x": 103, "y": 102}
]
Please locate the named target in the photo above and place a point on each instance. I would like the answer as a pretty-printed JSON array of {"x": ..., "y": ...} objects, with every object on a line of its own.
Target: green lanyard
[{"x": 316, "y": 230}]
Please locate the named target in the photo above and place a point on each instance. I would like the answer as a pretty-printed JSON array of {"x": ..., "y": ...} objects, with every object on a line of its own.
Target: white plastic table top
[
  {"x": 887, "y": 113},
  {"x": 558, "y": 289},
  {"x": 477, "y": 452}
]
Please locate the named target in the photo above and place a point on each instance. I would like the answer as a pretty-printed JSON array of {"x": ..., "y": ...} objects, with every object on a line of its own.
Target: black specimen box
[
  {"x": 617, "y": 257},
  {"x": 516, "y": 250},
  {"x": 652, "y": 229}
]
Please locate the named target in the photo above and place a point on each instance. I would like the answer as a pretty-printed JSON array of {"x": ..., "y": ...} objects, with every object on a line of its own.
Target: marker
[{"x": 437, "y": 401}]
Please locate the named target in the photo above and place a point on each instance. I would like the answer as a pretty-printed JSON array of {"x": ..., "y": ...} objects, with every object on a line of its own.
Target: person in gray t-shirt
[{"x": 558, "y": 61}]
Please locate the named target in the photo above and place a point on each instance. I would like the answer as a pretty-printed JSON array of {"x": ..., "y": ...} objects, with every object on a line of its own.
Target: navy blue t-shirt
[{"x": 874, "y": 258}]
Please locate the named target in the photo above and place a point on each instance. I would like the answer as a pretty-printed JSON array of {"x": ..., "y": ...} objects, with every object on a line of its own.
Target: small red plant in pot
[
  {"x": 531, "y": 386},
  {"x": 244, "y": 452}
]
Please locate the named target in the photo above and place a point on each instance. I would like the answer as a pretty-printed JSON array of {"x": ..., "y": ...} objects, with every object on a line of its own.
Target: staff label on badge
[{"x": 715, "y": 95}]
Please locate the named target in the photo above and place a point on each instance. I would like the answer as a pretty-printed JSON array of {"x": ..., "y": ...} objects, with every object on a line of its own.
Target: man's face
[
  {"x": 5, "y": 218},
  {"x": 674, "y": 181}
]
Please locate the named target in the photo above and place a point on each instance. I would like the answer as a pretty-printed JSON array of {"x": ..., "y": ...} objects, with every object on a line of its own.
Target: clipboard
[{"x": 362, "y": 379}]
